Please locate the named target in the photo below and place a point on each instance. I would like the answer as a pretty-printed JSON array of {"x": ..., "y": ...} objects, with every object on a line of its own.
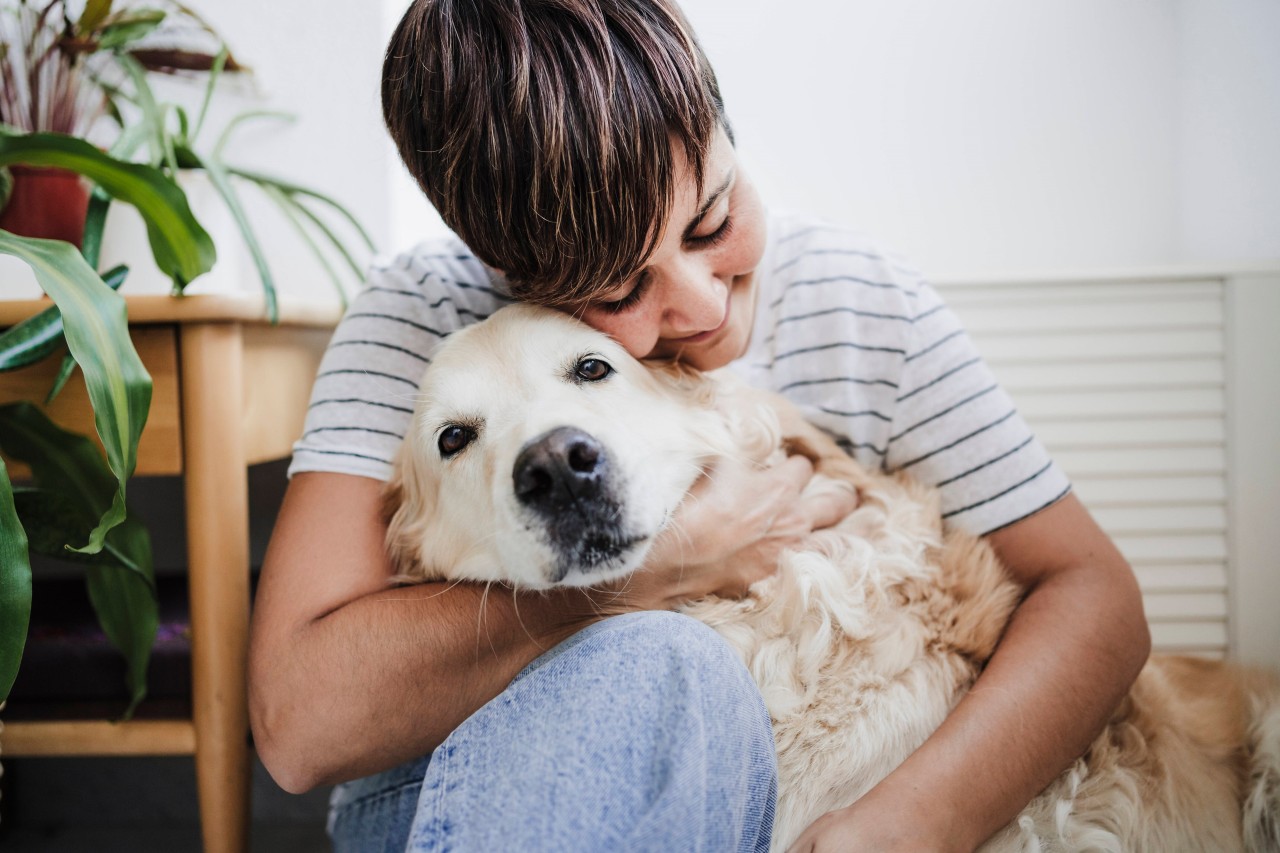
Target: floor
[{"x": 114, "y": 805}]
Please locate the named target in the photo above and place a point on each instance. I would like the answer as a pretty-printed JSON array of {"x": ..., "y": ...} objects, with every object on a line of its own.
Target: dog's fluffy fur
[{"x": 861, "y": 643}]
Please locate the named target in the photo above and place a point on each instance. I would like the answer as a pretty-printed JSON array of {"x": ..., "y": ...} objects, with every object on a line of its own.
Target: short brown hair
[{"x": 546, "y": 132}]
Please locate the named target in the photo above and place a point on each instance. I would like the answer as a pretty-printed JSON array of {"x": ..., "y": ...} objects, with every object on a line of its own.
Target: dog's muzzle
[{"x": 566, "y": 480}]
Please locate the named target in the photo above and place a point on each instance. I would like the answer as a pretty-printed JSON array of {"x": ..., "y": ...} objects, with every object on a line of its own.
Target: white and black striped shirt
[{"x": 865, "y": 347}]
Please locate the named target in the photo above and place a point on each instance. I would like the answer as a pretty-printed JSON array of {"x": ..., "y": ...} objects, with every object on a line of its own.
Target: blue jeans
[{"x": 641, "y": 732}]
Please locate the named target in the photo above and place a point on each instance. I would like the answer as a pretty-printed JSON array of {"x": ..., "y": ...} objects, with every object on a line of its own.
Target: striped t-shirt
[{"x": 862, "y": 344}]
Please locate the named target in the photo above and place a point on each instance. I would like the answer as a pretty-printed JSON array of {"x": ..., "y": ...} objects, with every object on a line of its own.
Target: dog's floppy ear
[
  {"x": 408, "y": 505},
  {"x": 684, "y": 383}
]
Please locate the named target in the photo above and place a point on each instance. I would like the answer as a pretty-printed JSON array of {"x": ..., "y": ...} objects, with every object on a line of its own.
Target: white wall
[
  {"x": 1229, "y": 129},
  {"x": 318, "y": 59},
  {"x": 991, "y": 134}
]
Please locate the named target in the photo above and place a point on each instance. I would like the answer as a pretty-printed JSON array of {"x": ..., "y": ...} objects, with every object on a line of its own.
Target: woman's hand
[
  {"x": 857, "y": 829},
  {"x": 729, "y": 532}
]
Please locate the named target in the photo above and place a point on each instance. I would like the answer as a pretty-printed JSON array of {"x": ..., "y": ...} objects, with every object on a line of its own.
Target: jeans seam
[
  {"x": 440, "y": 766},
  {"x": 378, "y": 796}
]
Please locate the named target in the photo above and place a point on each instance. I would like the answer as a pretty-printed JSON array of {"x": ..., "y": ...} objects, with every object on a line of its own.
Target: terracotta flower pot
[{"x": 49, "y": 203}]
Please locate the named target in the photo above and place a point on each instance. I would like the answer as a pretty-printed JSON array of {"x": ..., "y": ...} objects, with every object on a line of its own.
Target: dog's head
[{"x": 541, "y": 454}]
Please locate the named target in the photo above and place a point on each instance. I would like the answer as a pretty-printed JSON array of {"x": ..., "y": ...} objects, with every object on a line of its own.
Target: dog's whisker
[
  {"x": 483, "y": 620},
  {"x": 436, "y": 594},
  {"x": 515, "y": 605}
]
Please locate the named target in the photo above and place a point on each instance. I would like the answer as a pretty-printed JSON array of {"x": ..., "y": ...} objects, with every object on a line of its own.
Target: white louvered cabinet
[{"x": 1159, "y": 395}]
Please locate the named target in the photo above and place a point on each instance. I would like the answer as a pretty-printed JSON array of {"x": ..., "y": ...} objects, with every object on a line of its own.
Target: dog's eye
[
  {"x": 592, "y": 369},
  {"x": 454, "y": 438}
]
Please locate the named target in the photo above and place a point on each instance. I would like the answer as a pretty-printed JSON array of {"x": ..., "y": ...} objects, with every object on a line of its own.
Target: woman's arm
[
  {"x": 348, "y": 677},
  {"x": 1070, "y": 653}
]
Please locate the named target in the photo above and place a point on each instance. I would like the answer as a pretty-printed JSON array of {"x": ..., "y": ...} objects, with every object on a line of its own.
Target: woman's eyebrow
[{"x": 708, "y": 204}]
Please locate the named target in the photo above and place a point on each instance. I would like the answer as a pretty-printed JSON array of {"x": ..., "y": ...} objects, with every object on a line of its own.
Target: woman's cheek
[
  {"x": 746, "y": 251},
  {"x": 635, "y": 330}
]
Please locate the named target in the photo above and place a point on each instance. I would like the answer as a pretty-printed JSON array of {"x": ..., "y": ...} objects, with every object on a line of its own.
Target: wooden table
[{"x": 230, "y": 390}]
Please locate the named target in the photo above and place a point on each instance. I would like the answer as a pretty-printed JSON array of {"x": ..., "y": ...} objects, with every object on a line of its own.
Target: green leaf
[
  {"x": 6, "y": 187},
  {"x": 128, "y": 141},
  {"x": 182, "y": 249},
  {"x": 51, "y": 518},
  {"x": 252, "y": 115},
  {"x": 95, "y": 12},
  {"x": 32, "y": 340},
  {"x": 37, "y": 337},
  {"x": 152, "y": 114},
  {"x": 184, "y": 124},
  {"x": 222, "y": 183},
  {"x": 15, "y": 587},
  {"x": 120, "y": 578},
  {"x": 65, "y": 370},
  {"x": 129, "y": 615},
  {"x": 219, "y": 62},
  {"x": 288, "y": 206},
  {"x": 69, "y": 465},
  {"x": 95, "y": 222},
  {"x": 129, "y": 27},
  {"x": 323, "y": 228},
  {"x": 294, "y": 189},
  {"x": 97, "y": 333}
]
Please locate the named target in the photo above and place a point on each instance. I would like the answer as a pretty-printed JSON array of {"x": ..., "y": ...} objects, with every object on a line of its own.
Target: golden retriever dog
[{"x": 541, "y": 454}]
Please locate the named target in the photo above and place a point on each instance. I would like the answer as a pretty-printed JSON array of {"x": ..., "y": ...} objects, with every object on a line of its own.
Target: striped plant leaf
[
  {"x": 15, "y": 587},
  {"x": 182, "y": 248},
  {"x": 97, "y": 334},
  {"x": 36, "y": 338}
]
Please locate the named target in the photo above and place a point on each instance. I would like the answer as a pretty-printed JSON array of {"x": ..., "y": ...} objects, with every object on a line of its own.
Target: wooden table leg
[{"x": 218, "y": 553}]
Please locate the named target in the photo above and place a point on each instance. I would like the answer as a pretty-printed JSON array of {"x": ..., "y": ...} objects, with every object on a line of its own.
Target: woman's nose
[{"x": 696, "y": 302}]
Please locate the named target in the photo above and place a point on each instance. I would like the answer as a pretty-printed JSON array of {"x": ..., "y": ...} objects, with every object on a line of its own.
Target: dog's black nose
[{"x": 558, "y": 468}]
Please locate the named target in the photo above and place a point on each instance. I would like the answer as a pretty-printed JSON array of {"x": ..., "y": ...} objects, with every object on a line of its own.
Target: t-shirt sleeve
[
  {"x": 955, "y": 428},
  {"x": 365, "y": 390}
]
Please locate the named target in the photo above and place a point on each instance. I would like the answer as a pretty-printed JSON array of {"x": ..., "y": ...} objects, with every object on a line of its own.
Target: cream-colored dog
[{"x": 542, "y": 454}]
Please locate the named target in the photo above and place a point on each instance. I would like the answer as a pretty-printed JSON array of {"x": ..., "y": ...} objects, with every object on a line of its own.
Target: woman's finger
[{"x": 829, "y": 506}]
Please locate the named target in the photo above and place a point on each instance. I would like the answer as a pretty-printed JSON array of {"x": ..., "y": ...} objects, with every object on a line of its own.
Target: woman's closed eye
[
  {"x": 693, "y": 241},
  {"x": 716, "y": 237},
  {"x": 631, "y": 299}
]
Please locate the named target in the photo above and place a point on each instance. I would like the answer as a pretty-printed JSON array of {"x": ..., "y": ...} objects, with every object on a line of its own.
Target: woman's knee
[
  {"x": 662, "y": 631},
  {"x": 637, "y": 725},
  {"x": 650, "y": 644},
  {"x": 657, "y": 662}
]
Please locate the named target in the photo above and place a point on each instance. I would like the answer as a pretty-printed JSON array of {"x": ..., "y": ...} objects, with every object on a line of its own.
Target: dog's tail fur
[{"x": 1262, "y": 796}]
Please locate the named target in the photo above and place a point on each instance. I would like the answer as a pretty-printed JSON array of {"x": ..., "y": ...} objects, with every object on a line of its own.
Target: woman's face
[{"x": 694, "y": 298}]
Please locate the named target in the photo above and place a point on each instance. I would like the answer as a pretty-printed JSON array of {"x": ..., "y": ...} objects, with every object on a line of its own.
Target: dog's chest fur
[{"x": 862, "y": 643}]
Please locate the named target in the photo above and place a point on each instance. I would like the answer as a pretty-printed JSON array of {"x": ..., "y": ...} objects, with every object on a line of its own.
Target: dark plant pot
[{"x": 49, "y": 203}]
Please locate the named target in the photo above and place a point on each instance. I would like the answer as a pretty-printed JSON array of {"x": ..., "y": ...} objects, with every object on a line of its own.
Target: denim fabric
[
  {"x": 374, "y": 814},
  {"x": 642, "y": 732}
]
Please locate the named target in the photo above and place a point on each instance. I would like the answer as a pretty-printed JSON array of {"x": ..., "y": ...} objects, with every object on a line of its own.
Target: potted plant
[{"x": 91, "y": 72}]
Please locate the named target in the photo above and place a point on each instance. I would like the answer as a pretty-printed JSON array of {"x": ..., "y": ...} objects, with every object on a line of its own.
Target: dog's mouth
[{"x": 593, "y": 554}]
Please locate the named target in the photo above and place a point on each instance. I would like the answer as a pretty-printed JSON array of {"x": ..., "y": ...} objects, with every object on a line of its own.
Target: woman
[{"x": 580, "y": 151}]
